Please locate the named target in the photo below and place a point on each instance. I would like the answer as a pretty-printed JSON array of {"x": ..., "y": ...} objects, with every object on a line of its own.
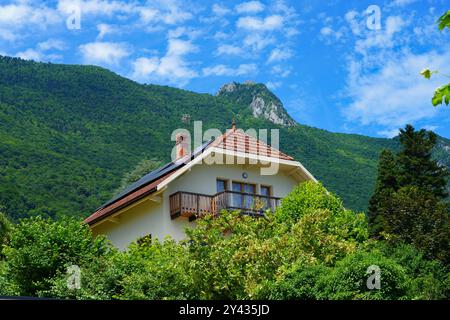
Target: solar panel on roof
[{"x": 156, "y": 174}]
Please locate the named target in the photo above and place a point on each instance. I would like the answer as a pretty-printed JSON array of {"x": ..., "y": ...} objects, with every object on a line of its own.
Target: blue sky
[{"x": 331, "y": 66}]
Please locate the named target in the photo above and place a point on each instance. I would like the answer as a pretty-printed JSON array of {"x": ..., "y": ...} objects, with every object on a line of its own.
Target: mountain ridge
[{"x": 260, "y": 99}]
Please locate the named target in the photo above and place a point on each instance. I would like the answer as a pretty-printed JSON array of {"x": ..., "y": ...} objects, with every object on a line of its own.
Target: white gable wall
[{"x": 153, "y": 218}]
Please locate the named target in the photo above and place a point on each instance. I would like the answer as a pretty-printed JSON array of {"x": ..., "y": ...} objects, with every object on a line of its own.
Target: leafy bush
[
  {"x": 39, "y": 249},
  {"x": 427, "y": 279},
  {"x": 328, "y": 236},
  {"x": 232, "y": 254},
  {"x": 156, "y": 271},
  {"x": 5, "y": 231},
  {"x": 307, "y": 197},
  {"x": 164, "y": 275},
  {"x": 417, "y": 217},
  {"x": 302, "y": 282},
  {"x": 348, "y": 280}
]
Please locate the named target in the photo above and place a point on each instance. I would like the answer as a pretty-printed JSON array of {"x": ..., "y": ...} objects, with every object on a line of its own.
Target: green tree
[
  {"x": 307, "y": 197},
  {"x": 415, "y": 163},
  {"x": 5, "y": 231},
  {"x": 417, "y": 217},
  {"x": 348, "y": 280},
  {"x": 302, "y": 281},
  {"x": 410, "y": 199},
  {"x": 427, "y": 279},
  {"x": 40, "y": 249},
  {"x": 152, "y": 271},
  {"x": 386, "y": 184}
]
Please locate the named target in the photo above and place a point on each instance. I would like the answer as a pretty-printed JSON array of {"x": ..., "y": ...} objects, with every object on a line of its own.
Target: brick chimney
[{"x": 182, "y": 145}]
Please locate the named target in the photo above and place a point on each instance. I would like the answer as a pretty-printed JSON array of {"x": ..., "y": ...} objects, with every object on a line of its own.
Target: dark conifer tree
[
  {"x": 386, "y": 184},
  {"x": 410, "y": 203},
  {"x": 416, "y": 166}
]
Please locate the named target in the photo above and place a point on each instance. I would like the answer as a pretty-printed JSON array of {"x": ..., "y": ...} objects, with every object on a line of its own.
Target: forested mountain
[{"x": 69, "y": 133}]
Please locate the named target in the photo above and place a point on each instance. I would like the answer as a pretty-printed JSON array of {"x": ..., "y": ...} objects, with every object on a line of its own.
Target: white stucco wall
[{"x": 153, "y": 218}]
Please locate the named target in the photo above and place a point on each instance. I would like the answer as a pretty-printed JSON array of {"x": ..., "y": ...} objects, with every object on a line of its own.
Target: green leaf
[
  {"x": 426, "y": 73},
  {"x": 441, "y": 93},
  {"x": 444, "y": 21}
]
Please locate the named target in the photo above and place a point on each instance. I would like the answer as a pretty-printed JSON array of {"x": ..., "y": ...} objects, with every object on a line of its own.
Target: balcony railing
[{"x": 194, "y": 205}]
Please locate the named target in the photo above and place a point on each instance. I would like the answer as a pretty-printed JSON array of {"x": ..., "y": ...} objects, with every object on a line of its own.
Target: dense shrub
[
  {"x": 5, "y": 232},
  {"x": 39, "y": 249},
  {"x": 427, "y": 279},
  {"x": 306, "y": 197},
  {"x": 303, "y": 281},
  {"x": 348, "y": 280},
  {"x": 329, "y": 235},
  {"x": 232, "y": 254},
  {"x": 416, "y": 217},
  {"x": 156, "y": 271}
]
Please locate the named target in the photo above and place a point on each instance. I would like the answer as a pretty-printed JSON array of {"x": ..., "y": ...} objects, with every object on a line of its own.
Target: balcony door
[{"x": 240, "y": 200}]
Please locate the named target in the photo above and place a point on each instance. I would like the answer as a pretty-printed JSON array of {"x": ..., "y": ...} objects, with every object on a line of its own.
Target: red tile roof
[
  {"x": 232, "y": 140},
  {"x": 239, "y": 141}
]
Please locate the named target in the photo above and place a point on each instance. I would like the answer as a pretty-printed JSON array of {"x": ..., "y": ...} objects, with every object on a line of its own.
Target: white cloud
[
  {"x": 96, "y": 7},
  {"x": 384, "y": 38},
  {"x": 219, "y": 35},
  {"x": 280, "y": 71},
  {"x": 15, "y": 18},
  {"x": 37, "y": 55},
  {"x": 395, "y": 94},
  {"x": 52, "y": 44},
  {"x": 103, "y": 30},
  {"x": 173, "y": 14},
  {"x": 388, "y": 133},
  {"x": 328, "y": 32},
  {"x": 357, "y": 23},
  {"x": 170, "y": 12},
  {"x": 109, "y": 53},
  {"x": 220, "y": 10},
  {"x": 249, "y": 7},
  {"x": 30, "y": 54},
  {"x": 402, "y": 3},
  {"x": 222, "y": 70},
  {"x": 430, "y": 127},
  {"x": 6, "y": 34},
  {"x": 258, "y": 42},
  {"x": 171, "y": 67},
  {"x": 188, "y": 32},
  {"x": 273, "y": 22},
  {"x": 278, "y": 54},
  {"x": 148, "y": 15},
  {"x": 23, "y": 14},
  {"x": 273, "y": 84},
  {"x": 226, "y": 49}
]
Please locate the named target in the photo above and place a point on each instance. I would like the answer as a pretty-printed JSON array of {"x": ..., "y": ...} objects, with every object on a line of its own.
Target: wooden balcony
[{"x": 194, "y": 205}]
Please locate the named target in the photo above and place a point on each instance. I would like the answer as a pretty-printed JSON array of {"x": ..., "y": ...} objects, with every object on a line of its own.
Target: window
[
  {"x": 145, "y": 240},
  {"x": 240, "y": 200},
  {"x": 266, "y": 192},
  {"x": 221, "y": 185}
]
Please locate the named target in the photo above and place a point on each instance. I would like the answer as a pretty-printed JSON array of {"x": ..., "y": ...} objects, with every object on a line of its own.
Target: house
[{"x": 229, "y": 172}]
